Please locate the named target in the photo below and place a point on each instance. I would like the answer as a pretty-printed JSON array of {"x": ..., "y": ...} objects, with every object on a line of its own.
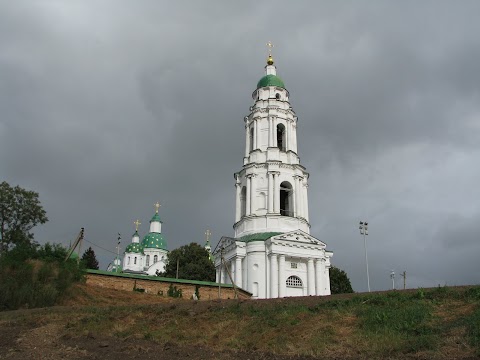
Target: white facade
[
  {"x": 272, "y": 254},
  {"x": 150, "y": 255}
]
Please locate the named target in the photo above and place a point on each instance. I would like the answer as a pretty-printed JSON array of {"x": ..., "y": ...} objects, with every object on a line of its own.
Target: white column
[
  {"x": 282, "y": 286},
  {"x": 222, "y": 274},
  {"x": 300, "y": 198},
  {"x": 247, "y": 141},
  {"x": 270, "y": 132},
  {"x": 238, "y": 271},
  {"x": 232, "y": 270},
  {"x": 296, "y": 192},
  {"x": 327, "y": 281},
  {"x": 247, "y": 199},
  {"x": 276, "y": 191},
  {"x": 273, "y": 276},
  {"x": 287, "y": 135},
  {"x": 318, "y": 276},
  {"x": 255, "y": 135},
  {"x": 274, "y": 123},
  {"x": 252, "y": 194},
  {"x": 310, "y": 277},
  {"x": 294, "y": 137},
  {"x": 217, "y": 275},
  {"x": 238, "y": 202},
  {"x": 270, "y": 193},
  {"x": 305, "y": 200}
]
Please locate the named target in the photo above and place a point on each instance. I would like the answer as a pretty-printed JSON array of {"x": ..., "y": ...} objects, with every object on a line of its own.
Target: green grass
[{"x": 393, "y": 324}]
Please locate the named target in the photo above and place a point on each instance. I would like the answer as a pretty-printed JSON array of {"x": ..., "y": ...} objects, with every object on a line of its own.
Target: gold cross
[
  {"x": 157, "y": 206},
  {"x": 270, "y": 46},
  {"x": 137, "y": 222},
  {"x": 207, "y": 234}
]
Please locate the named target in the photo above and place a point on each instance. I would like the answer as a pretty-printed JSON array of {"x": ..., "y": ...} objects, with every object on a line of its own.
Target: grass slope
[{"x": 437, "y": 323}]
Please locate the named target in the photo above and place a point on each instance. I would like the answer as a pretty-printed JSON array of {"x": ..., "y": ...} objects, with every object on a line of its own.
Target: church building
[
  {"x": 149, "y": 256},
  {"x": 272, "y": 253}
]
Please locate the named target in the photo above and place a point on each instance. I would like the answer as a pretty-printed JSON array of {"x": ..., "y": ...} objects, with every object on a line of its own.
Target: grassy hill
[{"x": 438, "y": 323}]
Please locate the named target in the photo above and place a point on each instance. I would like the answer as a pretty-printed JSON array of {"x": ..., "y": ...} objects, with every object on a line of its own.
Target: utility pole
[
  {"x": 404, "y": 275},
  {"x": 177, "y": 268},
  {"x": 117, "y": 260},
  {"x": 364, "y": 231}
]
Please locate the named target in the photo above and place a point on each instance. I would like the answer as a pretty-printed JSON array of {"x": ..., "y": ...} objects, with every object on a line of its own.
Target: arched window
[
  {"x": 155, "y": 259},
  {"x": 281, "y": 137},
  {"x": 243, "y": 202},
  {"x": 129, "y": 260},
  {"x": 294, "y": 281},
  {"x": 251, "y": 138},
  {"x": 286, "y": 193},
  {"x": 147, "y": 261},
  {"x": 135, "y": 260}
]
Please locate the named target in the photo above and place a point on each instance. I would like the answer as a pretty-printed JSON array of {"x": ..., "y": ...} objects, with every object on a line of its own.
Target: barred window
[
  {"x": 294, "y": 281},
  {"x": 293, "y": 265}
]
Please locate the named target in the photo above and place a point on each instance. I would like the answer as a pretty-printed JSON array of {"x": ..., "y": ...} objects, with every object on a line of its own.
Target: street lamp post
[
  {"x": 364, "y": 231},
  {"x": 392, "y": 276}
]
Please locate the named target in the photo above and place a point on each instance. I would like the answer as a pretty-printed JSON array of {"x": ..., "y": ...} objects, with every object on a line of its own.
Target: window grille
[{"x": 294, "y": 281}]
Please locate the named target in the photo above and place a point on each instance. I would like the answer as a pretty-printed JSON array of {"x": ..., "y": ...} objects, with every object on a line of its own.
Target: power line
[{"x": 114, "y": 253}]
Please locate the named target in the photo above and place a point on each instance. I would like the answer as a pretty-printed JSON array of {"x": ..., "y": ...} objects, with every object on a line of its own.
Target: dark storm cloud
[{"x": 108, "y": 106}]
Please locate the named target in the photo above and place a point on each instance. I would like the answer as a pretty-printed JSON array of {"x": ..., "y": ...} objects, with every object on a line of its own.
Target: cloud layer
[{"x": 107, "y": 107}]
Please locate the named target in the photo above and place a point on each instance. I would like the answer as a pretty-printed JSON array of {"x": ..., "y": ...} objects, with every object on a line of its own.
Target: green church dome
[
  {"x": 155, "y": 241},
  {"x": 270, "y": 80},
  {"x": 134, "y": 248}
]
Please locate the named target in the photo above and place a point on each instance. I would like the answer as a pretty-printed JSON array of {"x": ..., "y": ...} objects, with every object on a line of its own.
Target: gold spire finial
[
  {"x": 157, "y": 206},
  {"x": 270, "y": 58},
  {"x": 137, "y": 222},
  {"x": 207, "y": 235}
]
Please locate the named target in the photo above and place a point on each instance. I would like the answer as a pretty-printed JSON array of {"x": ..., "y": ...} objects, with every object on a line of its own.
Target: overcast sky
[{"x": 109, "y": 106}]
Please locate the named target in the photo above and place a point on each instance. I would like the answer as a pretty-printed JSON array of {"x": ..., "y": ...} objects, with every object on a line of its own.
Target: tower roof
[
  {"x": 156, "y": 218},
  {"x": 270, "y": 80}
]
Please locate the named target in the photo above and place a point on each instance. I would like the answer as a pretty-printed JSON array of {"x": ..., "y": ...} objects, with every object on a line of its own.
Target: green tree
[
  {"x": 193, "y": 264},
  {"x": 339, "y": 281},
  {"x": 89, "y": 259},
  {"x": 20, "y": 212}
]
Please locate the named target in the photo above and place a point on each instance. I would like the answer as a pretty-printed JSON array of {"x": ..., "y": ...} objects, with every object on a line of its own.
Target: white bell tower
[{"x": 271, "y": 187}]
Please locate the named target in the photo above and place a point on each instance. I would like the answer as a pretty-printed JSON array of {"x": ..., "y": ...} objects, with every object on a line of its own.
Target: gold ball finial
[{"x": 270, "y": 58}]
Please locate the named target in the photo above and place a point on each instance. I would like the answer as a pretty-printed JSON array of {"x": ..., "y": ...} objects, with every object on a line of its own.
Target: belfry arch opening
[
  {"x": 286, "y": 203},
  {"x": 281, "y": 140},
  {"x": 243, "y": 201}
]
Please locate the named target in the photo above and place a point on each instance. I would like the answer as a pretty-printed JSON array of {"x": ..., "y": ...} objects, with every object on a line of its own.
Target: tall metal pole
[
  {"x": 366, "y": 260},
  {"x": 392, "y": 276},
  {"x": 364, "y": 232}
]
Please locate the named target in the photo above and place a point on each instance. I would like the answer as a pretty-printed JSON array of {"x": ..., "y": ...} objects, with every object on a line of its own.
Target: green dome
[
  {"x": 155, "y": 241},
  {"x": 74, "y": 256},
  {"x": 134, "y": 248},
  {"x": 270, "y": 80}
]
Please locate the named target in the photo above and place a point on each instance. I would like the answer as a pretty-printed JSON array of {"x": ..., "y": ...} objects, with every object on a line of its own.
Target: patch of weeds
[
  {"x": 408, "y": 321},
  {"x": 473, "y": 329},
  {"x": 472, "y": 293},
  {"x": 174, "y": 292}
]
